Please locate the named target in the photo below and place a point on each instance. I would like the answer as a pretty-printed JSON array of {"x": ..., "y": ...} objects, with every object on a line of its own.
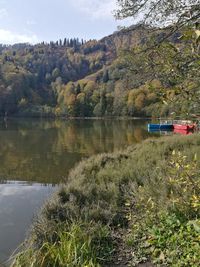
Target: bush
[{"x": 166, "y": 223}]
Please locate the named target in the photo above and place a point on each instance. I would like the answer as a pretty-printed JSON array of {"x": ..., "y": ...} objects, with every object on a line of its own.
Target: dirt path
[{"x": 123, "y": 255}]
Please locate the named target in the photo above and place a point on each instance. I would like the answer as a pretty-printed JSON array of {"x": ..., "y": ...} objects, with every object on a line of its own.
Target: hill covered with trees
[{"x": 98, "y": 78}]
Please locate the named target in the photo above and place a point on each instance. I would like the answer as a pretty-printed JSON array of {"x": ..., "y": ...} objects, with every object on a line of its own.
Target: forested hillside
[{"x": 95, "y": 78}]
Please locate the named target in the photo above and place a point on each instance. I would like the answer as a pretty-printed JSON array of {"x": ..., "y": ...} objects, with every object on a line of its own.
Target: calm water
[{"x": 36, "y": 155}]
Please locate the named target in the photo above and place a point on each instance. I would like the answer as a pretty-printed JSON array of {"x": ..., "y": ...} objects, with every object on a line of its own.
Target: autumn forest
[{"x": 115, "y": 76}]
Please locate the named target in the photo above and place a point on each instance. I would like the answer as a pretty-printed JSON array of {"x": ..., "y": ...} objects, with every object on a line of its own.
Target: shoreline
[{"x": 78, "y": 118}]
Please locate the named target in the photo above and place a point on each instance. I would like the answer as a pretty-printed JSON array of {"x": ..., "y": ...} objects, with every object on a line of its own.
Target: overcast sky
[{"x": 44, "y": 20}]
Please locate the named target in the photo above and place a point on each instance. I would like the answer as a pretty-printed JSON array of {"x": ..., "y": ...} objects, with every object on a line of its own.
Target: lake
[{"x": 36, "y": 155}]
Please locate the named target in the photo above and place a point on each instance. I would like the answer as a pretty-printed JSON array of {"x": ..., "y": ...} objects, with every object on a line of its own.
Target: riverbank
[
  {"x": 78, "y": 118},
  {"x": 125, "y": 208}
]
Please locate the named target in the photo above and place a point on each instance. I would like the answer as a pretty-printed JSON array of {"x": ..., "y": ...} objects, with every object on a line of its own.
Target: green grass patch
[
  {"x": 167, "y": 241},
  {"x": 76, "y": 245}
]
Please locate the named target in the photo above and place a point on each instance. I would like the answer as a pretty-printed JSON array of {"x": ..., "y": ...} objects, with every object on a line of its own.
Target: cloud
[
  {"x": 96, "y": 9},
  {"x": 14, "y": 190},
  {"x": 8, "y": 37},
  {"x": 17, "y": 189},
  {"x": 3, "y": 13}
]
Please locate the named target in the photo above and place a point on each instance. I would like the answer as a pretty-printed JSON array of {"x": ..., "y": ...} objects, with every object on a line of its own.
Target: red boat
[
  {"x": 183, "y": 132},
  {"x": 185, "y": 127}
]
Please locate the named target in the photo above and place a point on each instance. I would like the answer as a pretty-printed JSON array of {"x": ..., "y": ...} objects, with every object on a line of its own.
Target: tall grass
[{"x": 76, "y": 245}]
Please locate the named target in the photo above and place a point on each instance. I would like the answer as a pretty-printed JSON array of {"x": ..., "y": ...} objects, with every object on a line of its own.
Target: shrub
[{"x": 166, "y": 221}]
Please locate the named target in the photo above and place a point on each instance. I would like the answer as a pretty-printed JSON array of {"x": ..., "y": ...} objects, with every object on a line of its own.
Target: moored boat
[
  {"x": 160, "y": 127},
  {"x": 182, "y": 131},
  {"x": 174, "y": 125},
  {"x": 184, "y": 126}
]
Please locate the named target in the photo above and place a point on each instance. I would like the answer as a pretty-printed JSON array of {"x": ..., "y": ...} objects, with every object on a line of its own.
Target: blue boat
[{"x": 160, "y": 127}]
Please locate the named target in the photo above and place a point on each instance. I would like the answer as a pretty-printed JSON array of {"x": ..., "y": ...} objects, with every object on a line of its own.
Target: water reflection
[
  {"x": 35, "y": 155},
  {"x": 18, "y": 204},
  {"x": 44, "y": 151}
]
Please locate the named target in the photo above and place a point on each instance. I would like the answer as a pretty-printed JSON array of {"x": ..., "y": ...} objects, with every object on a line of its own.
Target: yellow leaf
[
  {"x": 162, "y": 256},
  {"x": 197, "y": 33}
]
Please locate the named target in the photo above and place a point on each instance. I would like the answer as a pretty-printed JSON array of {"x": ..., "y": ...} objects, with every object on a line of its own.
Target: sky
[{"x": 34, "y": 21}]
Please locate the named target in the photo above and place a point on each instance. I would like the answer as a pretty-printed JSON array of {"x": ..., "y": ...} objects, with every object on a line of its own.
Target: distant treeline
[{"x": 72, "y": 77}]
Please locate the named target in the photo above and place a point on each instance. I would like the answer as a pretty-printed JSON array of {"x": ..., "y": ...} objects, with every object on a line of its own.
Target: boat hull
[
  {"x": 182, "y": 132},
  {"x": 160, "y": 127},
  {"x": 183, "y": 127}
]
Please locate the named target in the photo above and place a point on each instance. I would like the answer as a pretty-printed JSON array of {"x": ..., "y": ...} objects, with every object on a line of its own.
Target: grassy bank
[{"x": 133, "y": 206}]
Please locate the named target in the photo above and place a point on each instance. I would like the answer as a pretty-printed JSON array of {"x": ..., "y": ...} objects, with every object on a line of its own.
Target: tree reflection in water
[{"x": 45, "y": 150}]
